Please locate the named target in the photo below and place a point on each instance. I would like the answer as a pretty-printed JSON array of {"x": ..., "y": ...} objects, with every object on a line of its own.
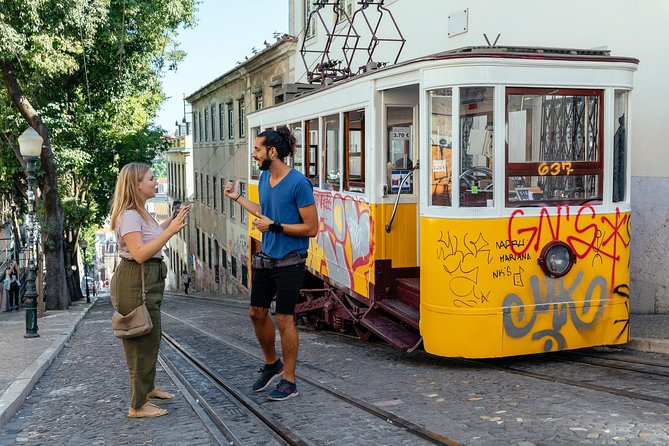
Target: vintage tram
[{"x": 476, "y": 201}]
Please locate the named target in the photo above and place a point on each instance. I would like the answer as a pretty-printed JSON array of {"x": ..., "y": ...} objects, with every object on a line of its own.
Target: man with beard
[{"x": 287, "y": 218}]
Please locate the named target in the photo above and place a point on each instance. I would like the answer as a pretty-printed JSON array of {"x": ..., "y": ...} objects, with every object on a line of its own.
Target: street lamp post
[
  {"x": 30, "y": 144},
  {"x": 83, "y": 244}
]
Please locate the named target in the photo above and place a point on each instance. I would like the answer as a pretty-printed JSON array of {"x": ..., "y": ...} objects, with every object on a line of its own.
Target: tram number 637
[{"x": 555, "y": 168}]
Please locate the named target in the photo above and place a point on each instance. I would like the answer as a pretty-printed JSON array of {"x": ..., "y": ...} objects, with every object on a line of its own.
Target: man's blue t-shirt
[{"x": 282, "y": 203}]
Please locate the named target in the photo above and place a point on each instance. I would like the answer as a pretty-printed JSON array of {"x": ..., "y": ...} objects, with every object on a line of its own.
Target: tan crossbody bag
[{"x": 134, "y": 324}]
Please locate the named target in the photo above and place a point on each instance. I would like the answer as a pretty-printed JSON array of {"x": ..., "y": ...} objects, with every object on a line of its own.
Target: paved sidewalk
[{"x": 24, "y": 361}]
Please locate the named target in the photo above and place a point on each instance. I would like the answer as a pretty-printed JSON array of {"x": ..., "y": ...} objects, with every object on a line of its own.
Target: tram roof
[{"x": 502, "y": 52}]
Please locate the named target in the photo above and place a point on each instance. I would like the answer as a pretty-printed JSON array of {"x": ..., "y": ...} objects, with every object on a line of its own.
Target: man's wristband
[
  {"x": 237, "y": 197},
  {"x": 275, "y": 227}
]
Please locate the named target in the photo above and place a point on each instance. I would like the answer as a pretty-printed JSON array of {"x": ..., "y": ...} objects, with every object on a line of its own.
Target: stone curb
[
  {"x": 13, "y": 398},
  {"x": 649, "y": 345}
]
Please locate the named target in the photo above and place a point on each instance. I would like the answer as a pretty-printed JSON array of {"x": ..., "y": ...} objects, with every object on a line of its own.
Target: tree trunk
[{"x": 52, "y": 231}]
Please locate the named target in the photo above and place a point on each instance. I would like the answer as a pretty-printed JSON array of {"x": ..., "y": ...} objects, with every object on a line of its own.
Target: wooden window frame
[
  {"x": 347, "y": 180},
  {"x": 307, "y": 151},
  {"x": 532, "y": 168}
]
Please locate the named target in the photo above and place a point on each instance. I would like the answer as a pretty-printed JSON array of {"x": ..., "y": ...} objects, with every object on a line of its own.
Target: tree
[{"x": 93, "y": 68}]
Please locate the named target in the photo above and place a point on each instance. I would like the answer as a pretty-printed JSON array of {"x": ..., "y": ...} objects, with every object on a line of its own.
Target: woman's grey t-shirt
[{"x": 131, "y": 221}]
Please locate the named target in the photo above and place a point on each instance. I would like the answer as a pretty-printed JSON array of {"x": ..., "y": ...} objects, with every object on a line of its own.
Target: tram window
[
  {"x": 476, "y": 146},
  {"x": 332, "y": 179},
  {"x": 400, "y": 148},
  {"x": 441, "y": 142},
  {"x": 620, "y": 146},
  {"x": 354, "y": 150},
  {"x": 312, "y": 153},
  {"x": 255, "y": 167},
  {"x": 298, "y": 157},
  {"x": 553, "y": 146}
]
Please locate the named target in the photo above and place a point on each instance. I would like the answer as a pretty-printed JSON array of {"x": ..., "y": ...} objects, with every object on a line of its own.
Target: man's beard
[{"x": 265, "y": 164}]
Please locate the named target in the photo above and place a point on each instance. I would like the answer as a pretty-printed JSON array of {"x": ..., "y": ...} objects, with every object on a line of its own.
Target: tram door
[{"x": 401, "y": 157}]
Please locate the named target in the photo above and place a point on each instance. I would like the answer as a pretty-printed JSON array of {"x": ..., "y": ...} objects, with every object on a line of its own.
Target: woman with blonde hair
[{"x": 140, "y": 241}]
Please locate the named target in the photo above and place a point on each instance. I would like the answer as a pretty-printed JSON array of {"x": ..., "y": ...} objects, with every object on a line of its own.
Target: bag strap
[{"x": 141, "y": 267}]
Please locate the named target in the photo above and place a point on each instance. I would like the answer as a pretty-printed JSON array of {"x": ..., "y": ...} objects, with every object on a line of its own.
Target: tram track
[
  {"x": 387, "y": 417},
  {"x": 518, "y": 370},
  {"x": 278, "y": 429}
]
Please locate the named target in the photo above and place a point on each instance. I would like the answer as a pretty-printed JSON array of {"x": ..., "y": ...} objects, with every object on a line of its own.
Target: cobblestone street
[{"x": 82, "y": 398}]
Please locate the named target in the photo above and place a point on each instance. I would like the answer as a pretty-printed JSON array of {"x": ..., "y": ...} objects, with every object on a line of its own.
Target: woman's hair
[
  {"x": 126, "y": 193},
  {"x": 281, "y": 139}
]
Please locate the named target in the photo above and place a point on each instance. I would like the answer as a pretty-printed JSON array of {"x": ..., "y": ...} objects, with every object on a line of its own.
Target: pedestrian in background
[
  {"x": 140, "y": 241},
  {"x": 287, "y": 217},
  {"x": 185, "y": 279},
  {"x": 13, "y": 286}
]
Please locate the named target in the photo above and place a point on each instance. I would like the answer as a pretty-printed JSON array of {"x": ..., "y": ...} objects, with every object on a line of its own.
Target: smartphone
[{"x": 176, "y": 204}]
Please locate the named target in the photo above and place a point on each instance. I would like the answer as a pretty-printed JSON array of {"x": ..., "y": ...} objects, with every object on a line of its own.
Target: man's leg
[
  {"x": 289, "y": 344},
  {"x": 264, "y": 329}
]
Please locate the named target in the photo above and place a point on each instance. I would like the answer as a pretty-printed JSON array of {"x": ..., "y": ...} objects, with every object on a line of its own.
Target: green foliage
[{"x": 92, "y": 69}]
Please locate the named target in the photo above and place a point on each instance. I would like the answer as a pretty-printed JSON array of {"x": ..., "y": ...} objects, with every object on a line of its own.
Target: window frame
[
  {"x": 347, "y": 134},
  {"x": 213, "y": 122},
  {"x": 513, "y": 169},
  {"x": 221, "y": 123},
  {"x": 231, "y": 120},
  {"x": 240, "y": 111}
]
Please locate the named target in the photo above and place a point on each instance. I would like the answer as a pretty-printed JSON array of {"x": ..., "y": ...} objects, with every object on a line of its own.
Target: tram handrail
[{"x": 399, "y": 193}]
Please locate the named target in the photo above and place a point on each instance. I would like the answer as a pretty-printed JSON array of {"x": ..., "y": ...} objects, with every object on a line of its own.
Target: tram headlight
[{"x": 556, "y": 259}]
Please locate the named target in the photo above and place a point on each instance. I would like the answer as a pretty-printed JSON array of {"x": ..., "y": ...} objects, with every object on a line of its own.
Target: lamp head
[
  {"x": 83, "y": 244},
  {"x": 30, "y": 143}
]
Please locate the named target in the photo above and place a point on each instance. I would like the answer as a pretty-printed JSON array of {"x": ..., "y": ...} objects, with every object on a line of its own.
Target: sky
[{"x": 225, "y": 32}]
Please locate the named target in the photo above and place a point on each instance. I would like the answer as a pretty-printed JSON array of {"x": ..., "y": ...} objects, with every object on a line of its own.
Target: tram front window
[
  {"x": 441, "y": 141},
  {"x": 476, "y": 146},
  {"x": 553, "y": 146}
]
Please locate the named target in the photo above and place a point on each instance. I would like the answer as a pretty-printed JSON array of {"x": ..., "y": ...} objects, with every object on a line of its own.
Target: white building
[{"x": 633, "y": 29}]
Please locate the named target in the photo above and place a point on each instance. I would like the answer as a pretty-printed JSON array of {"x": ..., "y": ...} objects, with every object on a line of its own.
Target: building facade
[
  {"x": 430, "y": 26},
  {"x": 219, "y": 226}
]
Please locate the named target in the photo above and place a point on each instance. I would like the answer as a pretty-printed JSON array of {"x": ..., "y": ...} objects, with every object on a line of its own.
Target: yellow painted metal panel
[
  {"x": 400, "y": 244},
  {"x": 480, "y": 281}
]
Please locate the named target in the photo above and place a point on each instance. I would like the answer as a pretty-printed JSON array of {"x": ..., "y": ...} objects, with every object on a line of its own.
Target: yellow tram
[{"x": 476, "y": 201}]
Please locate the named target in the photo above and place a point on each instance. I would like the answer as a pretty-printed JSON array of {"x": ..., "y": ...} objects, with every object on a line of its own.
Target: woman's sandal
[
  {"x": 148, "y": 410},
  {"x": 159, "y": 394}
]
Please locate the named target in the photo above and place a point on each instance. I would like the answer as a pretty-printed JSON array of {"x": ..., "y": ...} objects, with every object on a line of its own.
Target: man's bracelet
[{"x": 237, "y": 197}]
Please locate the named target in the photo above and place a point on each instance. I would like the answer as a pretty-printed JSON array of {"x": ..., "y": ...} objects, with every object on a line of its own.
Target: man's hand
[
  {"x": 261, "y": 223},
  {"x": 232, "y": 190}
]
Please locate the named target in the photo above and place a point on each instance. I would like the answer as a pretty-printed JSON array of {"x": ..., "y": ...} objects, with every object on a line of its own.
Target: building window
[
  {"x": 196, "y": 189},
  {"x": 223, "y": 196},
  {"x": 242, "y": 191},
  {"x": 231, "y": 121},
  {"x": 224, "y": 259},
  {"x": 215, "y": 190},
  {"x": 213, "y": 123},
  {"x": 207, "y": 190},
  {"x": 204, "y": 248},
  {"x": 206, "y": 124},
  {"x": 197, "y": 236},
  {"x": 221, "y": 121},
  {"x": 195, "y": 127},
  {"x": 259, "y": 101},
  {"x": 309, "y": 25},
  {"x": 232, "y": 208},
  {"x": 202, "y": 188},
  {"x": 242, "y": 126},
  {"x": 233, "y": 266},
  {"x": 209, "y": 251},
  {"x": 255, "y": 167},
  {"x": 199, "y": 124},
  {"x": 245, "y": 274}
]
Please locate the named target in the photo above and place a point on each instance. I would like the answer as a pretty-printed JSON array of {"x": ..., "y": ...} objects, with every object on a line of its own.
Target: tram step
[
  {"x": 391, "y": 332},
  {"x": 408, "y": 291},
  {"x": 402, "y": 311}
]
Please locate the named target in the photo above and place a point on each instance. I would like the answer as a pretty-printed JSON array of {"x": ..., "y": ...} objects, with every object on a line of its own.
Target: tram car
[{"x": 475, "y": 201}]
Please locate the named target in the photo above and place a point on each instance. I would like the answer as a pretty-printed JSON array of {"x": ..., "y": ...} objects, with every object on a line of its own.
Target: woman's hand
[
  {"x": 261, "y": 223},
  {"x": 179, "y": 222},
  {"x": 232, "y": 190}
]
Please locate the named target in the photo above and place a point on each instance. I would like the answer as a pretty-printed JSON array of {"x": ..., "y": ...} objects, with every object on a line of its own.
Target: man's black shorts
[{"x": 285, "y": 282}]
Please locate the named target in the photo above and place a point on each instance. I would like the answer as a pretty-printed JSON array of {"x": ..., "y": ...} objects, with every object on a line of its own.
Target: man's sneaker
[
  {"x": 283, "y": 391},
  {"x": 268, "y": 373}
]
